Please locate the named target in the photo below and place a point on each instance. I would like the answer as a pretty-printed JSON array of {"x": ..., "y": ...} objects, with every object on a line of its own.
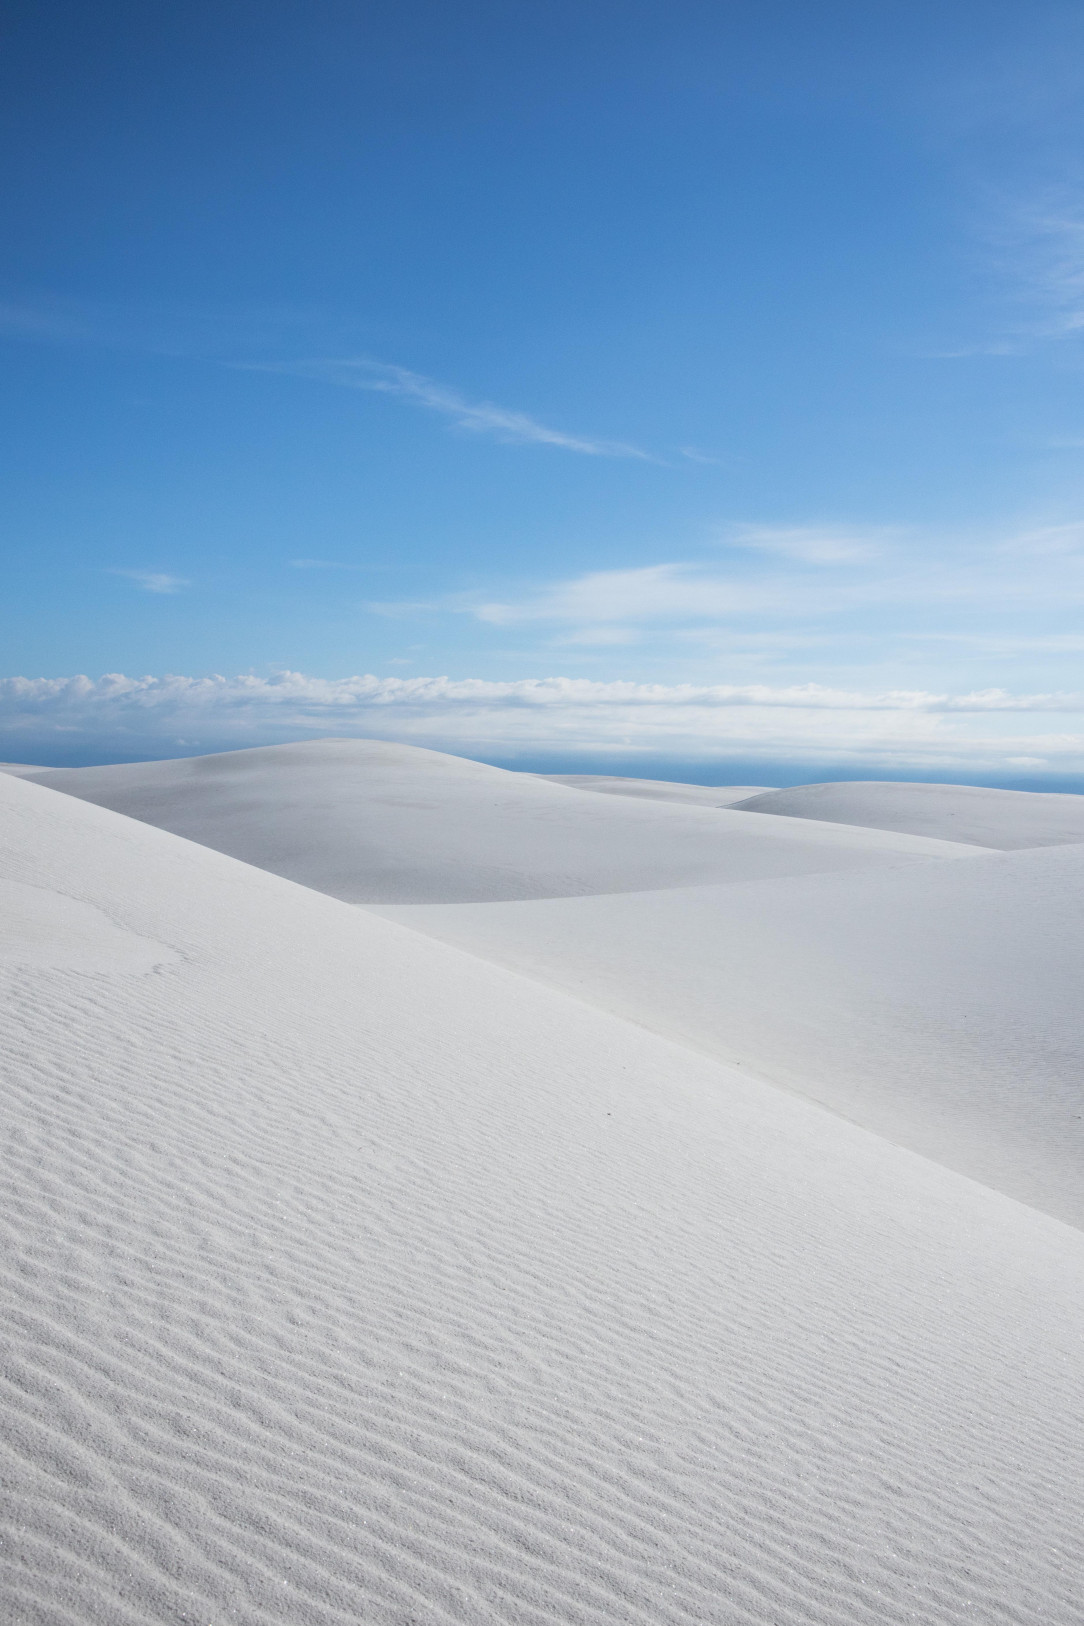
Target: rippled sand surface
[{"x": 351, "y": 1276}]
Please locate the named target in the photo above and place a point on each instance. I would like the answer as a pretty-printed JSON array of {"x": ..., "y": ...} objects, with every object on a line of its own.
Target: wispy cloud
[
  {"x": 602, "y": 598},
  {"x": 967, "y": 352},
  {"x": 212, "y": 333},
  {"x": 1050, "y": 257},
  {"x": 1047, "y": 541},
  {"x": 166, "y": 328},
  {"x": 798, "y": 575},
  {"x": 990, "y": 729},
  {"x": 319, "y": 564},
  {"x": 695, "y": 455},
  {"x": 1030, "y": 246},
  {"x": 1034, "y": 247},
  {"x": 820, "y": 600},
  {"x": 50, "y": 320},
  {"x": 154, "y": 581},
  {"x": 815, "y": 545},
  {"x": 477, "y": 417}
]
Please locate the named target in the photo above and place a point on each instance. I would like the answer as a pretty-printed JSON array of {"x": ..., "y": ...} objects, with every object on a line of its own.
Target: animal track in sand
[{"x": 53, "y": 931}]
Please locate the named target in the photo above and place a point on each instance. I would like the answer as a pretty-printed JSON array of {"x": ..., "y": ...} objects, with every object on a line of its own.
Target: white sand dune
[
  {"x": 1009, "y": 819},
  {"x": 658, "y": 790},
  {"x": 376, "y": 823},
  {"x": 349, "y": 1278},
  {"x": 938, "y": 1005},
  {"x": 42, "y": 927}
]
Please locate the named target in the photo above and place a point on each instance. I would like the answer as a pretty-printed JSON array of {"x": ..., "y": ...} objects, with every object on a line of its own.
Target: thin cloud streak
[
  {"x": 1037, "y": 255},
  {"x": 477, "y": 417},
  {"x": 1034, "y": 247},
  {"x": 204, "y": 334},
  {"x": 154, "y": 581},
  {"x": 694, "y": 455},
  {"x": 1057, "y": 268},
  {"x": 319, "y": 564},
  {"x": 814, "y": 545}
]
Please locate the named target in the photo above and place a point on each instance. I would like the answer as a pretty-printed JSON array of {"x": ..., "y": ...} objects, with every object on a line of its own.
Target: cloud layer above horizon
[{"x": 990, "y": 732}]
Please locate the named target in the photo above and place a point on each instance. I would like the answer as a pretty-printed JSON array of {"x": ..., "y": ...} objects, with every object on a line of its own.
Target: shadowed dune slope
[
  {"x": 375, "y": 823},
  {"x": 349, "y": 1278},
  {"x": 656, "y": 790},
  {"x": 938, "y": 1004},
  {"x": 1006, "y": 819}
]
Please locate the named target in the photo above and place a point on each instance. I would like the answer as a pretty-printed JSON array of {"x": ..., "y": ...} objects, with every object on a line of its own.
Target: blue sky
[{"x": 685, "y": 383}]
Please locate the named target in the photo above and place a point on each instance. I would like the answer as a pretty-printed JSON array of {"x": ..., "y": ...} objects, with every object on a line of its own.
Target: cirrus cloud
[
  {"x": 154, "y": 581},
  {"x": 477, "y": 417}
]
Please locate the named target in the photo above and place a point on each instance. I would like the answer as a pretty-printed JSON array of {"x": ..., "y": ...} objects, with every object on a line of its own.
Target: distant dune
[
  {"x": 375, "y": 823},
  {"x": 657, "y": 790},
  {"x": 989, "y": 818},
  {"x": 351, "y": 1276},
  {"x": 22, "y": 770}
]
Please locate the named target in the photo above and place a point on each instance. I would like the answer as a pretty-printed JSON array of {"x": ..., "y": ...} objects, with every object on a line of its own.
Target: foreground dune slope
[
  {"x": 937, "y": 1004},
  {"x": 349, "y": 1278},
  {"x": 1007, "y": 819},
  {"x": 371, "y": 822}
]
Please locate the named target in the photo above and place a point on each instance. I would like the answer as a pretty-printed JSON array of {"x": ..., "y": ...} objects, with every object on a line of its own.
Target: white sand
[
  {"x": 349, "y": 1279},
  {"x": 42, "y": 927},
  {"x": 375, "y": 823},
  {"x": 938, "y": 1005},
  {"x": 22, "y": 769},
  {"x": 660, "y": 790},
  {"x": 987, "y": 818}
]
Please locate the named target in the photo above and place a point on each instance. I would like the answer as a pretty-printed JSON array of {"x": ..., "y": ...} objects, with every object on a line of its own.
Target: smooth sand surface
[
  {"x": 349, "y": 1278},
  {"x": 938, "y": 1005},
  {"x": 21, "y": 769},
  {"x": 1008, "y": 819},
  {"x": 370, "y": 822},
  {"x": 657, "y": 790}
]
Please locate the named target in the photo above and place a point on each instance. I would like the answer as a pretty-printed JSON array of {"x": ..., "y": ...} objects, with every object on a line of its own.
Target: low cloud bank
[{"x": 116, "y": 717}]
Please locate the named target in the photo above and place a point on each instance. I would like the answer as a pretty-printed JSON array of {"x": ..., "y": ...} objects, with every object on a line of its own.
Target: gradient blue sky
[{"x": 726, "y": 353}]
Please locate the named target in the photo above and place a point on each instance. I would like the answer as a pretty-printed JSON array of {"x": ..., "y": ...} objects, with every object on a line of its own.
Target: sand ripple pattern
[{"x": 349, "y": 1279}]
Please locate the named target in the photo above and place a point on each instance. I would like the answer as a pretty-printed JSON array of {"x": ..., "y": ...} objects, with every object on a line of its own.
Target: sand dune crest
[
  {"x": 370, "y": 822},
  {"x": 1006, "y": 819}
]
